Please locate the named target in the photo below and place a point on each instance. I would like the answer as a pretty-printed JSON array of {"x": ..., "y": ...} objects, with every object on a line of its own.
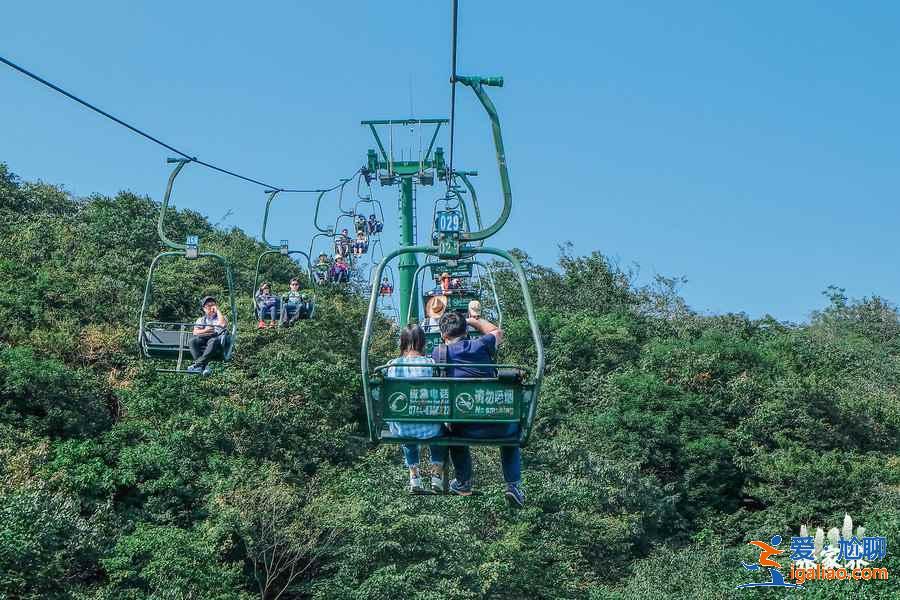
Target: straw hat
[{"x": 435, "y": 307}]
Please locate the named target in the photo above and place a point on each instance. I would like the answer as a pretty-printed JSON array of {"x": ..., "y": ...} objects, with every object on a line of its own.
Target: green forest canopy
[{"x": 665, "y": 441}]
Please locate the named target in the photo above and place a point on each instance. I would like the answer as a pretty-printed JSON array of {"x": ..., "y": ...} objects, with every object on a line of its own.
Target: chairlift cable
[
  {"x": 140, "y": 132},
  {"x": 453, "y": 44}
]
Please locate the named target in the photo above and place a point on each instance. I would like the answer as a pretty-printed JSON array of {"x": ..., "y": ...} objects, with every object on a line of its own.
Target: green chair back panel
[{"x": 451, "y": 400}]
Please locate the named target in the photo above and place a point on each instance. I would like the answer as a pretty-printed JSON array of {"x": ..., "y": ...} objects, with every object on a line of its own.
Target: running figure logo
[{"x": 764, "y": 561}]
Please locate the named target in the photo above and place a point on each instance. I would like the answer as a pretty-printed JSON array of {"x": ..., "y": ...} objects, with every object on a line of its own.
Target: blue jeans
[
  {"x": 411, "y": 454},
  {"x": 269, "y": 312},
  {"x": 510, "y": 456}
]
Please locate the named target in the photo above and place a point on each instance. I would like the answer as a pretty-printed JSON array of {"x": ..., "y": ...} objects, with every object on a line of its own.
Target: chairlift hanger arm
[
  {"x": 179, "y": 164},
  {"x": 270, "y": 195},
  {"x": 477, "y": 84}
]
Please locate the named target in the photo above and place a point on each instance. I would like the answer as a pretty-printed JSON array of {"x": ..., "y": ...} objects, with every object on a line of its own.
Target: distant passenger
[
  {"x": 322, "y": 268},
  {"x": 386, "y": 288},
  {"x": 412, "y": 344},
  {"x": 297, "y": 305},
  {"x": 342, "y": 243},
  {"x": 340, "y": 271},
  {"x": 210, "y": 336},
  {"x": 443, "y": 287},
  {"x": 360, "y": 244},
  {"x": 266, "y": 306},
  {"x": 360, "y": 224},
  {"x": 375, "y": 226}
]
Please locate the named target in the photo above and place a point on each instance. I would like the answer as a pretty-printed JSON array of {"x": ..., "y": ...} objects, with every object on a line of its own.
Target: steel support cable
[
  {"x": 455, "y": 4},
  {"x": 144, "y": 134}
]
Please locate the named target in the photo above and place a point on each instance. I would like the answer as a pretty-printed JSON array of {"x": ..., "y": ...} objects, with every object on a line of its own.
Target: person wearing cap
[
  {"x": 434, "y": 310},
  {"x": 267, "y": 305},
  {"x": 444, "y": 287},
  {"x": 296, "y": 305},
  {"x": 209, "y": 336},
  {"x": 342, "y": 243},
  {"x": 340, "y": 272},
  {"x": 322, "y": 268}
]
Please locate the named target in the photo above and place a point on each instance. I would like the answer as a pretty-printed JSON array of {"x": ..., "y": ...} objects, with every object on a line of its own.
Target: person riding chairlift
[
  {"x": 375, "y": 226},
  {"x": 266, "y": 305},
  {"x": 361, "y": 225},
  {"x": 459, "y": 351},
  {"x": 296, "y": 304},
  {"x": 342, "y": 243},
  {"x": 386, "y": 288},
  {"x": 361, "y": 244},
  {"x": 322, "y": 268},
  {"x": 340, "y": 271},
  {"x": 444, "y": 286},
  {"x": 210, "y": 332}
]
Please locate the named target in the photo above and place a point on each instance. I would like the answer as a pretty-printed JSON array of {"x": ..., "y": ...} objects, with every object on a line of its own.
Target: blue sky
[{"x": 752, "y": 148}]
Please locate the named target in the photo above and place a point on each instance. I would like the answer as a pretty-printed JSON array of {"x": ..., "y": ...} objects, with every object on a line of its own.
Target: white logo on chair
[
  {"x": 398, "y": 402},
  {"x": 464, "y": 402}
]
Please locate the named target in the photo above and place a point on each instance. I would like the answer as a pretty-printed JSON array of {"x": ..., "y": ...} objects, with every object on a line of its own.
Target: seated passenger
[
  {"x": 296, "y": 304},
  {"x": 412, "y": 343},
  {"x": 340, "y": 271},
  {"x": 444, "y": 285},
  {"x": 360, "y": 244},
  {"x": 455, "y": 284},
  {"x": 434, "y": 310},
  {"x": 361, "y": 225},
  {"x": 386, "y": 288},
  {"x": 375, "y": 226},
  {"x": 460, "y": 351},
  {"x": 342, "y": 243},
  {"x": 266, "y": 306},
  {"x": 474, "y": 309},
  {"x": 321, "y": 268},
  {"x": 210, "y": 334}
]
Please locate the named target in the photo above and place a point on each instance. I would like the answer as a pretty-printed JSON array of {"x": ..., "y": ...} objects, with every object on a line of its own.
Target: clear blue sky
[{"x": 751, "y": 147}]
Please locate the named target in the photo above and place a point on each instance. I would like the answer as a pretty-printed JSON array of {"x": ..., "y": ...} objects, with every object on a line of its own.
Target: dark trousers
[
  {"x": 203, "y": 347},
  {"x": 293, "y": 312},
  {"x": 267, "y": 312},
  {"x": 510, "y": 456}
]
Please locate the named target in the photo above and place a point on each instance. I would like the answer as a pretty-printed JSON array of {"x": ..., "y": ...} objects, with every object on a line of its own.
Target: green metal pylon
[
  {"x": 408, "y": 262},
  {"x": 407, "y": 173}
]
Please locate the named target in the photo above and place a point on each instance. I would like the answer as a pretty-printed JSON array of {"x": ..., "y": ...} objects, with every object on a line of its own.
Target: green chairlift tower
[{"x": 408, "y": 174}]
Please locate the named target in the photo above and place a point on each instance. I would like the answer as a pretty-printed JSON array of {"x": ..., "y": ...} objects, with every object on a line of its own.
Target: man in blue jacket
[{"x": 460, "y": 351}]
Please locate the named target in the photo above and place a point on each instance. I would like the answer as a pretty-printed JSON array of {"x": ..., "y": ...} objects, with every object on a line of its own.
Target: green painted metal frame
[
  {"x": 389, "y": 162},
  {"x": 477, "y": 84},
  {"x": 179, "y": 251},
  {"x": 229, "y": 278},
  {"x": 423, "y": 266},
  {"x": 273, "y": 249},
  {"x": 370, "y": 375}
]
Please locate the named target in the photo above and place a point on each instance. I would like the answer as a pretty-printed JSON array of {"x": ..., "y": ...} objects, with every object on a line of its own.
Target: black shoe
[{"x": 515, "y": 497}]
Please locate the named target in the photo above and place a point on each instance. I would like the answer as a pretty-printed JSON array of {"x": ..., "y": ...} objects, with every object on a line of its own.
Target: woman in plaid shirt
[{"x": 412, "y": 345}]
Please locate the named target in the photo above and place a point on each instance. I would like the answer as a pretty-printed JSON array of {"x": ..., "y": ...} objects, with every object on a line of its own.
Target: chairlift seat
[
  {"x": 162, "y": 342},
  {"x": 389, "y": 437},
  {"x": 504, "y": 399}
]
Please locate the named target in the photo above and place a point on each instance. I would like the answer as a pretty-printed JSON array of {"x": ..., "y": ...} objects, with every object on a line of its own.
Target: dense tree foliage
[{"x": 665, "y": 441}]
